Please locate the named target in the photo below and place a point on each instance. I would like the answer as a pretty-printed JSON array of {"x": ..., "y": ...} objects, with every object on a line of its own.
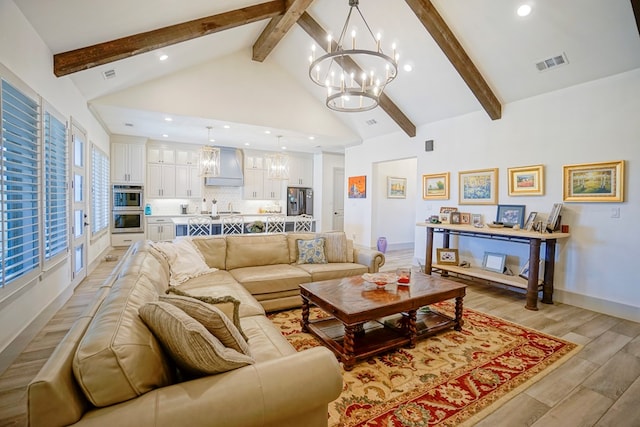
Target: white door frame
[
  {"x": 337, "y": 217},
  {"x": 79, "y": 212}
]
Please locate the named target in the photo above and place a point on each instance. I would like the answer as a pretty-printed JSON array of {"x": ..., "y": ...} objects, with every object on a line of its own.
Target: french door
[{"x": 79, "y": 212}]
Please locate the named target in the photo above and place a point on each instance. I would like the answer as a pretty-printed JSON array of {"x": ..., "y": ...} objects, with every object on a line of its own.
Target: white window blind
[
  {"x": 100, "y": 191},
  {"x": 19, "y": 184},
  {"x": 55, "y": 183}
]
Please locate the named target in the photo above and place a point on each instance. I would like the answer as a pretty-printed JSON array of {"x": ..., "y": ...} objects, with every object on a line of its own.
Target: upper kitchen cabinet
[
  {"x": 160, "y": 154},
  {"x": 300, "y": 171},
  {"x": 187, "y": 157},
  {"x": 127, "y": 160}
]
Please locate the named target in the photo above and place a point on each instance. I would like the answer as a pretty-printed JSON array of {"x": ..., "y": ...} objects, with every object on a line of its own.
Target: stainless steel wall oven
[{"x": 127, "y": 209}]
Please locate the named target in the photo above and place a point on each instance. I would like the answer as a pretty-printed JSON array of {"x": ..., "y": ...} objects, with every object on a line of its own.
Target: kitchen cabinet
[
  {"x": 161, "y": 155},
  {"x": 300, "y": 171},
  {"x": 187, "y": 157},
  {"x": 160, "y": 229},
  {"x": 188, "y": 181},
  {"x": 127, "y": 163},
  {"x": 258, "y": 187},
  {"x": 161, "y": 181}
]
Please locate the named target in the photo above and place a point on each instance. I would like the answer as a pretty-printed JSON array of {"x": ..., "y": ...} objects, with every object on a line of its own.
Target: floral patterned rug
[{"x": 449, "y": 379}]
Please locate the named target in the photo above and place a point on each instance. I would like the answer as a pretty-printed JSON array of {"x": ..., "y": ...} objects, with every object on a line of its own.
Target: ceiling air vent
[
  {"x": 371, "y": 122},
  {"x": 109, "y": 74},
  {"x": 554, "y": 61}
]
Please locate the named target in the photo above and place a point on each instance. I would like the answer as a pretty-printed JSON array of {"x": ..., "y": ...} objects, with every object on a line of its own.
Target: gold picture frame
[
  {"x": 447, "y": 256},
  {"x": 435, "y": 186},
  {"x": 478, "y": 187},
  {"x": 593, "y": 182},
  {"x": 526, "y": 180}
]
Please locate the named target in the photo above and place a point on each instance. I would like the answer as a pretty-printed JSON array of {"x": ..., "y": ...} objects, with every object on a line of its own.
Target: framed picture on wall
[
  {"x": 526, "y": 180},
  {"x": 478, "y": 187},
  {"x": 435, "y": 186},
  {"x": 396, "y": 188},
  {"x": 594, "y": 182},
  {"x": 357, "y": 187}
]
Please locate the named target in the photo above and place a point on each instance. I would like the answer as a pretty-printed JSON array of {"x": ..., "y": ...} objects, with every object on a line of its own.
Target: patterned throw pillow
[
  {"x": 185, "y": 260},
  {"x": 213, "y": 319},
  {"x": 311, "y": 251},
  {"x": 227, "y": 304},
  {"x": 191, "y": 346}
]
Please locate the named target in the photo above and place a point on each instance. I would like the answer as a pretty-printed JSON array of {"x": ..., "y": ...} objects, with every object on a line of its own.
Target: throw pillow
[
  {"x": 191, "y": 346},
  {"x": 185, "y": 261},
  {"x": 311, "y": 251},
  {"x": 228, "y": 305},
  {"x": 212, "y": 318}
]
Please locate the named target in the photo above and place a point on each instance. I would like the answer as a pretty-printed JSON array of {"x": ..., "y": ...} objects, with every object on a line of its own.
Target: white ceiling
[{"x": 212, "y": 81}]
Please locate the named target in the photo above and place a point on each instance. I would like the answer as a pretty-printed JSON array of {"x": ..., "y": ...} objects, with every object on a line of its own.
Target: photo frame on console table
[
  {"x": 494, "y": 262},
  {"x": 593, "y": 182},
  {"x": 446, "y": 256},
  {"x": 435, "y": 186},
  {"x": 526, "y": 180},
  {"x": 478, "y": 187},
  {"x": 511, "y": 215}
]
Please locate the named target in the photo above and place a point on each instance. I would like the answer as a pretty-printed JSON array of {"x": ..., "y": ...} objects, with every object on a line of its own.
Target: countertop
[{"x": 184, "y": 219}]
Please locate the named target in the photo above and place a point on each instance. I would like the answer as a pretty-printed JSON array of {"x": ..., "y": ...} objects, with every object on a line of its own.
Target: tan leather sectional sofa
[{"x": 110, "y": 370}]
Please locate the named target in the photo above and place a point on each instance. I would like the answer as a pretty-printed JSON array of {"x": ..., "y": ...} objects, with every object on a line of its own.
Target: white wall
[
  {"x": 25, "y": 55},
  {"x": 393, "y": 218},
  {"x": 592, "y": 122}
]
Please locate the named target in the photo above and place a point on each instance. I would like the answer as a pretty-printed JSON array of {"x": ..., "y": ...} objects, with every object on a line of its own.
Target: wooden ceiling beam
[
  {"x": 318, "y": 33},
  {"x": 278, "y": 28},
  {"x": 103, "y": 53},
  {"x": 635, "y": 5},
  {"x": 444, "y": 37}
]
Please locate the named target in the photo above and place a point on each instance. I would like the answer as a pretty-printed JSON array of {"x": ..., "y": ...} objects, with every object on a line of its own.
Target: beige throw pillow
[
  {"x": 185, "y": 261},
  {"x": 213, "y": 319},
  {"x": 227, "y": 304},
  {"x": 192, "y": 347}
]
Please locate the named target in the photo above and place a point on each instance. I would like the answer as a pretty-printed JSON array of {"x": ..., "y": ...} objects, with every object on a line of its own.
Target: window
[
  {"x": 19, "y": 184},
  {"x": 55, "y": 189},
  {"x": 100, "y": 191}
]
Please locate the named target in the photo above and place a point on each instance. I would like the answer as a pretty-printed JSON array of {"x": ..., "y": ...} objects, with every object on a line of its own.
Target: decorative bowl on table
[{"x": 380, "y": 279}]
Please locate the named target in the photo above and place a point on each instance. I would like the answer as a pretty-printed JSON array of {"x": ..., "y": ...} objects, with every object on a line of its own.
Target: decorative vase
[{"x": 382, "y": 244}]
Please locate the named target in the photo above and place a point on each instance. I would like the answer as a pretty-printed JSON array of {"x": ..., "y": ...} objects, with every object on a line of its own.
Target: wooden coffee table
[{"x": 366, "y": 320}]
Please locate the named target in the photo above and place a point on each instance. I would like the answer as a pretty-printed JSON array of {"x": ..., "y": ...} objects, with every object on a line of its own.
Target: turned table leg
[
  {"x": 349, "y": 358},
  {"x": 304, "y": 323},
  {"x": 413, "y": 330},
  {"x": 459, "y": 321}
]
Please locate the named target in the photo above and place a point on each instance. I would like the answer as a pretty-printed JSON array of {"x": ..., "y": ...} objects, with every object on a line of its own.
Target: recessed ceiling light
[
  {"x": 212, "y": 140},
  {"x": 168, "y": 119},
  {"x": 165, "y": 135},
  {"x": 408, "y": 67},
  {"x": 164, "y": 57},
  {"x": 267, "y": 132},
  {"x": 284, "y": 147},
  {"x": 247, "y": 144},
  {"x": 312, "y": 137},
  {"x": 524, "y": 10},
  {"x": 226, "y": 126}
]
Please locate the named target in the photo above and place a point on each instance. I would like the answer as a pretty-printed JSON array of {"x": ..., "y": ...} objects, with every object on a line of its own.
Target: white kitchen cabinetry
[
  {"x": 161, "y": 155},
  {"x": 187, "y": 157},
  {"x": 272, "y": 188},
  {"x": 161, "y": 181},
  {"x": 127, "y": 163},
  {"x": 160, "y": 228},
  {"x": 258, "y": 187},
  {"x": 300, "y": 171},
  {"x": 188, "y": 182}
]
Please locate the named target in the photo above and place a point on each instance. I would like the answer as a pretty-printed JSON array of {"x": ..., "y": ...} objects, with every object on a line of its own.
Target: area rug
[{"x": 449, "y": 379}]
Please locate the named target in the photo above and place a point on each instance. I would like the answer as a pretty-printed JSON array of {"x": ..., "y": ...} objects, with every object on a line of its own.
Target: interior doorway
[
  {"x": 338, "y": 199},
  {"x": 79, "y": 211}
]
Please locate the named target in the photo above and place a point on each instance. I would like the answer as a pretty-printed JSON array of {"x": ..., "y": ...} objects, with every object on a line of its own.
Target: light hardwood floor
[{"x": 600, "y": 386}]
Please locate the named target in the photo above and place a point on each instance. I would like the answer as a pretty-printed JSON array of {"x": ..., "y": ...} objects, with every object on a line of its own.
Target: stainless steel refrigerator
[{"x": 299, "y": 201}]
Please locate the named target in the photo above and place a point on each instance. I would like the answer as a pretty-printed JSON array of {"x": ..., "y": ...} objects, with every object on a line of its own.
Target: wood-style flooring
[{"x": 600, "y": 386}]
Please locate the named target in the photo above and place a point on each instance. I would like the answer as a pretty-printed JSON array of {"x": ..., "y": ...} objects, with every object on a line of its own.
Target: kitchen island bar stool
[
  {"x": 232, "y": 224},
  {"x": 199, "y": 226},
  {"x": 303, "y": 222},
  {"x": 275, "y": 224}
]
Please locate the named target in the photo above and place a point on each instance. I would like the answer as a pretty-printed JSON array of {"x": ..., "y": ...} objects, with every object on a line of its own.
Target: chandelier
[
  {"x": 209, "y": 159},
  {"x": 351, "y": 88},
  {"x": 278, "y": 164}
]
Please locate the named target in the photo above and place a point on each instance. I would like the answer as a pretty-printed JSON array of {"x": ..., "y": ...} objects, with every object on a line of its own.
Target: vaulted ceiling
[{"x": 243, "y": 64}]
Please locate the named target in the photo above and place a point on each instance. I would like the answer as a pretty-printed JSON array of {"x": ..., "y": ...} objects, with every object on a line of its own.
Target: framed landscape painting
[
  {"x": 435, "y": 186},
  {"x": 594, "y": 182},
  {"x": 358, "y": 187},
  {"x": 478, "y": 187},
  {"x": 396, "y": 188},
  {"x": 526, "y": 181}
]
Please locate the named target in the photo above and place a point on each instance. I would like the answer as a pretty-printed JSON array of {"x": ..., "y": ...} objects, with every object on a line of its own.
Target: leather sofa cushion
[
  {"x": 147, "y": 261},
  {"x": 221, "y": 284},
  {"x": 119, "y": 358},
  {"x": 265, "y": 340},
  {"x": 256, "y": 250},
  {"x": 334, "y": 270},
  {"x": 270, "y": 279},
  {"x": 213, "y": 249}
]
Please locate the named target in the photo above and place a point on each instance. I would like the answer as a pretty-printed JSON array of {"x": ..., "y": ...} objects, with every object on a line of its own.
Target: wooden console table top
[{"x": 503, "y": 231}]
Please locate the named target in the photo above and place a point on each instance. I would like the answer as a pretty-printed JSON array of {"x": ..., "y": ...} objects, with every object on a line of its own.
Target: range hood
[{"x": 231, "y": 167}]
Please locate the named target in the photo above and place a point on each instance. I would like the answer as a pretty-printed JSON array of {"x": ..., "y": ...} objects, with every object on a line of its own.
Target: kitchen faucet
[{"x": 230, "y": 207}]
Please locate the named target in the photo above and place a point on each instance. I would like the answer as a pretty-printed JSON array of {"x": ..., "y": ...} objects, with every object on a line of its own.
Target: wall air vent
[
  {"x": 553, "y": 62},
  {"x": 371, "y": 122},
  {"x": 109, "y": 74}
]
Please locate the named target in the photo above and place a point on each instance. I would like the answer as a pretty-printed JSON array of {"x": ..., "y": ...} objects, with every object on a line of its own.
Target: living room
[{"x": 595, "y": 121}]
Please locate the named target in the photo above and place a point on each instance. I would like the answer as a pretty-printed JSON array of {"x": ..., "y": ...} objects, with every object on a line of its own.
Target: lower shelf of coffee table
[{"x": 378, "y": 335}]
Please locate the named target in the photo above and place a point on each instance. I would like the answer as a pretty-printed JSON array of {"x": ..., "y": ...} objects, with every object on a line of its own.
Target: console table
[{"x": 532, "y": 238}]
